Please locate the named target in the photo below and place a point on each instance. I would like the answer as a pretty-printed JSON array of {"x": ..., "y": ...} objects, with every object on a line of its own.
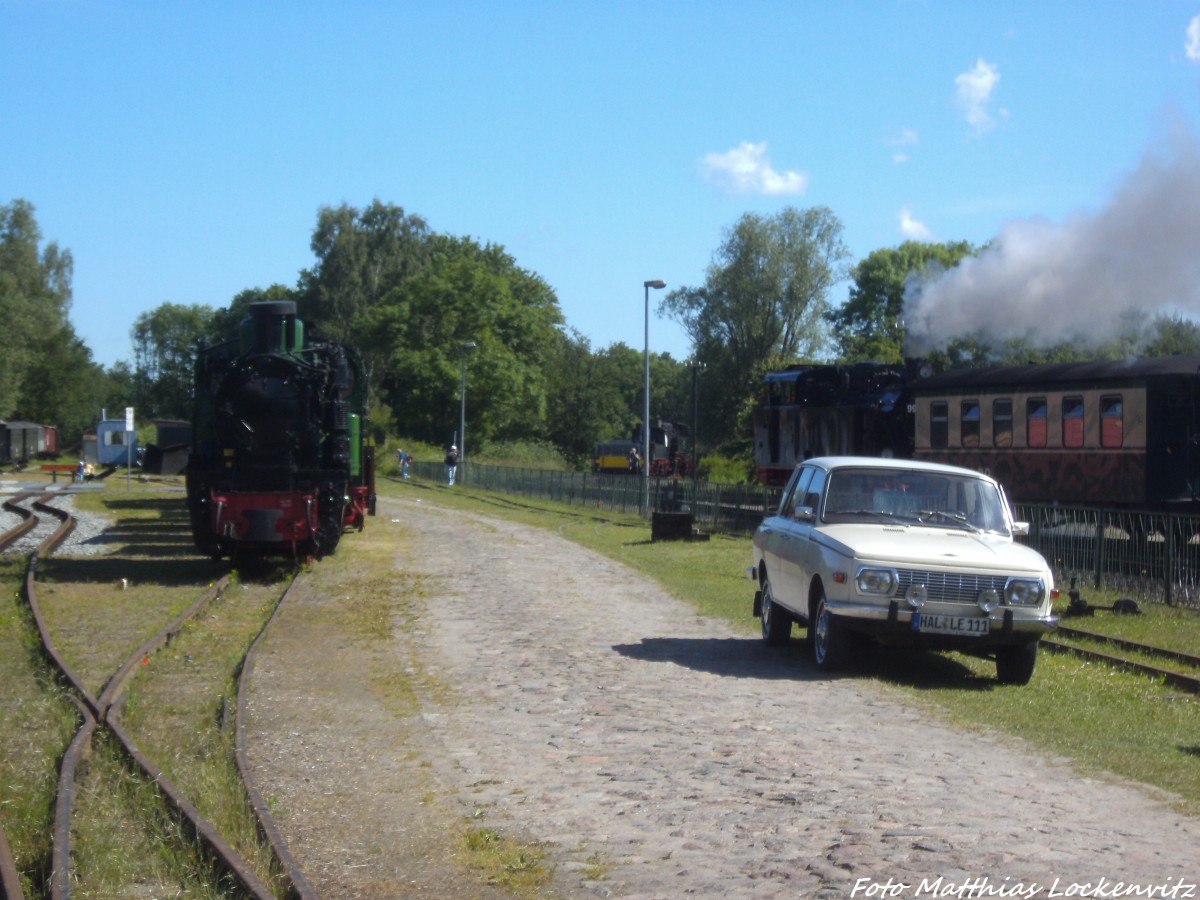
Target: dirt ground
[{"x": 562, "y": 698}]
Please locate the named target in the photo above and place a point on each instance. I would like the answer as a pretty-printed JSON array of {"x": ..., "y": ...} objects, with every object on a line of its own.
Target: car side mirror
[
  {"x": 1021, "y": 529},
  {"x": 805, "y": 513}
]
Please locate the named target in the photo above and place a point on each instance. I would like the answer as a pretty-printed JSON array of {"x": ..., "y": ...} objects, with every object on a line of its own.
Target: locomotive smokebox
[{"x": 272, "y": 328}]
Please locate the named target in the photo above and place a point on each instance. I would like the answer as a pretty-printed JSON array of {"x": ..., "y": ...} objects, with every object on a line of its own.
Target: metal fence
[{"x": 1148, "y": 557}]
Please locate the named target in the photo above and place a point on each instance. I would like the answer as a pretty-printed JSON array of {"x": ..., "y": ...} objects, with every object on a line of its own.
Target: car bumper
[{"x": 894, "y": 621}]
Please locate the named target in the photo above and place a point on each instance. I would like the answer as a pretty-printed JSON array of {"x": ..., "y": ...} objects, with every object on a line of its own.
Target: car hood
[{"x": 914, "y": 547}]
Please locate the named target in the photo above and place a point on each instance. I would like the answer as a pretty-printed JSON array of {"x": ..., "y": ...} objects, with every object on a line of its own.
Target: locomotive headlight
[
  {"x": 1024, "y": 591},
  {"x": 875, "y": 581}
]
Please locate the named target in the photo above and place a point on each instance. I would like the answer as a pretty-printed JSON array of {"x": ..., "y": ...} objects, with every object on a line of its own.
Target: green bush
[{"x": 725, "y": 470}]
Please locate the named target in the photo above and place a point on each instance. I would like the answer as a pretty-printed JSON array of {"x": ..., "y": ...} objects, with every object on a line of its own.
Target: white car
[{"x": 906, "y": 553}]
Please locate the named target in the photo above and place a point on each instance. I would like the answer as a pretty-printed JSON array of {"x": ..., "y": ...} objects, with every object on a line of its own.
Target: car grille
[{"x": 951, "y": 587}]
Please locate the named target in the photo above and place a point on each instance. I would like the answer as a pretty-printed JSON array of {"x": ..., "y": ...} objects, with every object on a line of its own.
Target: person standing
[{"x": 451, "y": 463}]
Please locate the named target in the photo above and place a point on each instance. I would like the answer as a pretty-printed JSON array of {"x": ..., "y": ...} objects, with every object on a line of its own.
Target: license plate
[{"x": 969, "y": 626}]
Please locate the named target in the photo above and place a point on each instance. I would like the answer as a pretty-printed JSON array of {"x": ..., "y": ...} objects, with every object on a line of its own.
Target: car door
[
  {"x": 793, "y": 527},
  {"x": 772, "y": 534}
]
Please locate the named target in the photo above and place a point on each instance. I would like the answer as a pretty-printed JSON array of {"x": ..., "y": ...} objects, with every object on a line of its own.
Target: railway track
[
  {"x": 1184, "y": 680},
  {"x": 101, "y": 718}
]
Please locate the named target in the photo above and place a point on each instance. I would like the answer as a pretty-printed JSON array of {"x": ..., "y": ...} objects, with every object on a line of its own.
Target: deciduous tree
[
  {"x": 765, "y": 297},
  {"x": 869, "y": 326},
  {"x": 35, "y": 297}
]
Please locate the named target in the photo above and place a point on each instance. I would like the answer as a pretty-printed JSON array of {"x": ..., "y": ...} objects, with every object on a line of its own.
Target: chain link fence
[{"x": 1151, "y": 558}]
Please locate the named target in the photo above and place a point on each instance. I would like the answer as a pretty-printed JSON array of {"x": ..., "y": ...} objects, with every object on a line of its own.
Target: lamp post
[
  {"x": 696, "y": 366},
  {"x": 462, "y": 411},
  {"x": 658, "y": 285}
]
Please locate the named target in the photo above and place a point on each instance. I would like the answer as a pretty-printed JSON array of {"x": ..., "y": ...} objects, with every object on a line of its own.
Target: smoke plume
[{"x": 1049, "y": 283}]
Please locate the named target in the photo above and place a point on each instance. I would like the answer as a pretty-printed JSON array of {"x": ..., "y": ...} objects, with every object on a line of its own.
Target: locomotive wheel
[{"x": 329, "y": 524}]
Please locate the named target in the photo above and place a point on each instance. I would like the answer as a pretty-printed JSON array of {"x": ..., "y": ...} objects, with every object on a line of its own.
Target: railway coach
[
  {"x": 21, "y": 442},
  {"x": 1122, "y": 434}
]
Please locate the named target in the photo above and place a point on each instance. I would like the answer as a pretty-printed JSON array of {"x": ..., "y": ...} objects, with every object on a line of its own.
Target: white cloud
[
  {"x": 906, "y": 138},
  {"x": 746, "y": 169},
  {"x": 913, "y": 229},
  {"x": 1192, "y": 44},
  {"x": 974, "y": 90}
]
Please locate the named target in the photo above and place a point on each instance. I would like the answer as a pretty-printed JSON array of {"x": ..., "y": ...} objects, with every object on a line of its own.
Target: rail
[{"x": 103, "y": 712}]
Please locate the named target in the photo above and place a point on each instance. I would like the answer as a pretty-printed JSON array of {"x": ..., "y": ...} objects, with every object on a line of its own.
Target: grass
[
  {"x": 1101, "y": 718},
  {"x": 515, "y": 865},
  {"x": 38, "y": 724},
  {"x": 100, "y": 609}
]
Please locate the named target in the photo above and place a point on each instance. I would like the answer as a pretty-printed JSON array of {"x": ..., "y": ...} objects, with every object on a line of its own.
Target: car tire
[
  {"x": 776, "y": 621},
  {"x": 1014, "y": 664},
  {"x": 830, "y": 640}
]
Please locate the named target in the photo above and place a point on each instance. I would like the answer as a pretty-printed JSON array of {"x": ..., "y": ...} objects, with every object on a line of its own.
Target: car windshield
[{"x": 914, "y": 497}]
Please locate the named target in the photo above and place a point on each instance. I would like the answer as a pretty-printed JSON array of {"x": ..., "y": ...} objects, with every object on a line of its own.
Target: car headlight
[
  {"x": 875, "y": 581},
  {"x": 1024, "y": 592}
]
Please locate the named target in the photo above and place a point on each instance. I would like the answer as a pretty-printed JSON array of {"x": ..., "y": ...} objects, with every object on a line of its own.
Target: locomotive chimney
[{"x": 272, "y": 327}]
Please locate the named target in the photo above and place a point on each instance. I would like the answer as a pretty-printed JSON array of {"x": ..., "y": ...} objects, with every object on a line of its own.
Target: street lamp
[
  {"x": 696, "y": 367},
  {"x": 462, "y": 411},
  {"x": 658, "y": 285}
]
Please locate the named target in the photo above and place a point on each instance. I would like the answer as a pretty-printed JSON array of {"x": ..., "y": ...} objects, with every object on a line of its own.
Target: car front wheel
[
  {"x": 831, "y": 643},
  {"x": 1014, "y": 665},
  {"x": 776, "y": 621}
]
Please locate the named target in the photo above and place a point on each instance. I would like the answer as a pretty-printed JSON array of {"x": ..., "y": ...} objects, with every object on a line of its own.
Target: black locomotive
[
  {"x": 1121, "y": 434},
  {"x": 280, "y": 461}
]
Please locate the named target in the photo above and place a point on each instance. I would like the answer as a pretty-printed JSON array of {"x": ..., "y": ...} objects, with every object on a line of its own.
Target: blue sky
[{"x": 181, "y": 150}]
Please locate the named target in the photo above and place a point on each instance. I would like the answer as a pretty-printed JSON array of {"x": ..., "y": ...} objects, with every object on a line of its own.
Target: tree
[
  {"x": 765, "y": 297},
  {"x": 467, "y": 292},
  {"x": 165, "y": 340},
  {"x": 361, "y": 257},
  {"x": 588, "y": 399},
  {"x": 64, "y": 386},
  {"x": 869, "y": 326},
  {"x": 35, "y": 297},
  {"x": 1172, "y": 334}
]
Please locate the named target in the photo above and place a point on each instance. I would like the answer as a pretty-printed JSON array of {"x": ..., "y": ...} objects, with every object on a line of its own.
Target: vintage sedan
[{"x": 905, "y": 553}]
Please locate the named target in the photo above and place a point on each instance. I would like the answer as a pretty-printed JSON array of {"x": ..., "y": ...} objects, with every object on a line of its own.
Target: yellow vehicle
[{"x": 612, "y": 457}]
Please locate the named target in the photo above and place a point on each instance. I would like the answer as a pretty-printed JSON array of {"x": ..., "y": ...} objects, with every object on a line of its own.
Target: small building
[{"x": 112, "y": 444}]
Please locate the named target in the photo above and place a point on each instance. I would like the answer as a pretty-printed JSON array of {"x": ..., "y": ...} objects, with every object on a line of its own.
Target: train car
[
  {"x": 612, "y": 457},
  {"x": 861, "y": 409},
  {"x": 50, "y": 442},
  {"x": 280, "y": 460},
  {"x": 21, "y": 442},
  {"x": 1123, "y": 434},
  {"x": 1117, "y": 434}
]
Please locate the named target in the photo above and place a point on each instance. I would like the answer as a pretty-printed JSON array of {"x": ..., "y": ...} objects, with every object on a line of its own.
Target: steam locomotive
[
  {"x": 280, "y": 461},
  {"x": 1123, "y": 434}
]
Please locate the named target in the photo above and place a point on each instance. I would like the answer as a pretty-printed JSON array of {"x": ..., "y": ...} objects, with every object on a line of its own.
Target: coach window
[
  {"x": 1035, "y": 421},
  {"x": 1112, "y": 421},
  {"x": 939, "y": 424},
  {"x": 970, "y": 423},
  {"x": 1002, "y": 423},
  {"x": 1072, "y": 421}
]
